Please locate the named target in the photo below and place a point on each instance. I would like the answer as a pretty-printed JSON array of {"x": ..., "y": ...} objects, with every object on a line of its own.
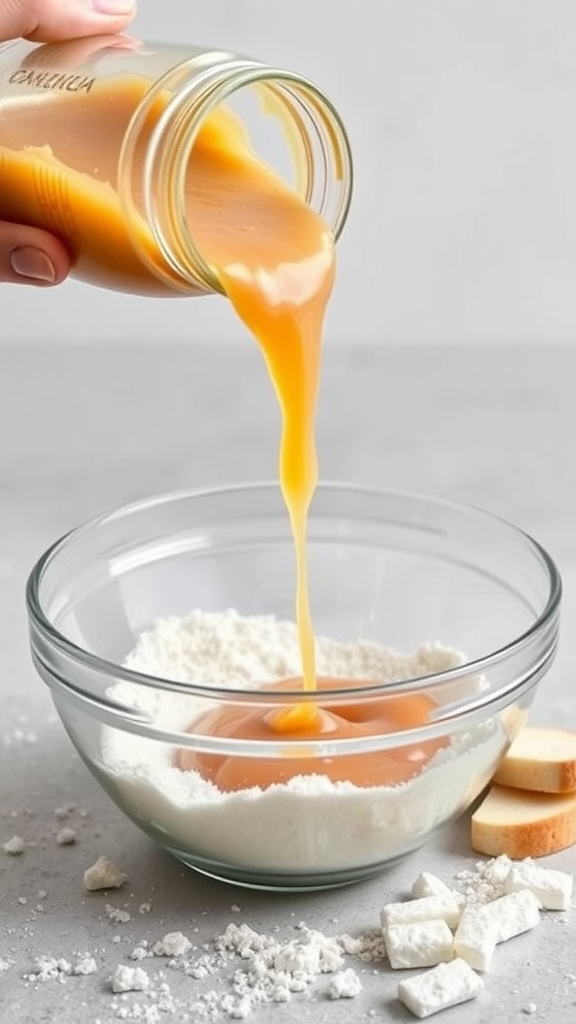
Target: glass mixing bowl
[{"x": 396, "y": 571}]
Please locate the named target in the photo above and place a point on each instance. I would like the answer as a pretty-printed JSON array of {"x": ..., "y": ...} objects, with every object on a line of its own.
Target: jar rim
[{"x": 172, "y": 139}]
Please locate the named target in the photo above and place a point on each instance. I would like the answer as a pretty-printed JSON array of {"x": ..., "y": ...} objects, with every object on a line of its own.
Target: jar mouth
[{"x": 314, "y": 138}]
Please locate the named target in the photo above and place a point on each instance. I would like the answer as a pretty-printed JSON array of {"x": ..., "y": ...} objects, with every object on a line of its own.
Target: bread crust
[
  {"x": 542, "y": 759},
  {"x": 522, "y": 824}
]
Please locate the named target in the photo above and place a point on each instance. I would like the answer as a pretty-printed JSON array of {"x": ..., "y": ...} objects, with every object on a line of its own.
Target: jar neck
[{"x": 312, "y": 130}]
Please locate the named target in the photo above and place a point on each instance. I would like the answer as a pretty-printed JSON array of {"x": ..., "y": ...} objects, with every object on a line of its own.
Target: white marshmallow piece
[
  {"x": 482, "y": 928},
  {"x": 428, "y": 884},
  {"x": 513, "y": 914},
  {"x": 476, "y": 938},
  {"x": 552, "y": 888},
  {"x": 424, "y": 944},
  {"x": 445, "y": 985},
  {"x": 429, "y": 908}
]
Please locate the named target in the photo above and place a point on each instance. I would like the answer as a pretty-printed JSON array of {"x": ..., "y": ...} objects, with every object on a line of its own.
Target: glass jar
[{"x": 97, "y": 134}]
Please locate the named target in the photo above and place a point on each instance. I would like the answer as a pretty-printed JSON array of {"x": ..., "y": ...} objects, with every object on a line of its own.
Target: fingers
[
  {"x": 31, "y": 256},
  {"x": 63, "y": 19}
]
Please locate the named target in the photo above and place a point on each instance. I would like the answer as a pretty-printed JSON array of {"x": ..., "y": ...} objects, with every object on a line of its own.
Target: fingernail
[
  {"x": 113, "y": 6},
  {"x": 33, "y": 264}
]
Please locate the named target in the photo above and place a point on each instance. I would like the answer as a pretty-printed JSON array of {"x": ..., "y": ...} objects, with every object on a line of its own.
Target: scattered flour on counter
[
  {"x": 117, "y": 915},
  {"x": 275, "y": 971},
  {"x": 173, "y": 944},
  {"x": 49, "y": 968},
  {"x": 254, "y": 828},
  {"x": 62, "y": 813},
  {"x": 14, "y": 846},
  {"x": 484, "y": 882},
  {"x": 243, "y": 971},
  {"x": 66, "y": 837},
  {"x": 251, "y": 970}
]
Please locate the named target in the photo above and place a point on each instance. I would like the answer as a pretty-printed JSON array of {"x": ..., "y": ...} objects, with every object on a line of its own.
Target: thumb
[
  {"x": 31, "y": 256},
  {"x": 49, "y": 20}
]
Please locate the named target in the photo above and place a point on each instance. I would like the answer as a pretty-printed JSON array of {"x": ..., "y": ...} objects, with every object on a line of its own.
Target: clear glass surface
[{"x": 396, "y": 569}]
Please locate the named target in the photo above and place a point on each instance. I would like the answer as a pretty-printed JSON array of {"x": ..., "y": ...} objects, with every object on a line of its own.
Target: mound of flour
[
  {"x": 241, "y": 651},
  {"x": 308, "y": 823}
]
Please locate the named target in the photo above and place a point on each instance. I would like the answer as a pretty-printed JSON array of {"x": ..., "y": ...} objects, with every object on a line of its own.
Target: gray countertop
[{"x": 85, "y": 429}]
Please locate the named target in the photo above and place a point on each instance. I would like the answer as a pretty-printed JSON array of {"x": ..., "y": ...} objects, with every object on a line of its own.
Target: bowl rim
[{"x": 40, "y": 621}]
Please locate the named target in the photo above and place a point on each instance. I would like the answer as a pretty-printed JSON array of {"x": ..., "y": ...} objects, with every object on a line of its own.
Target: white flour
[
  {"x": 308, "y": 823},
  {"x": 239, "y": 651},
  {"x": 261, "y": 969}
]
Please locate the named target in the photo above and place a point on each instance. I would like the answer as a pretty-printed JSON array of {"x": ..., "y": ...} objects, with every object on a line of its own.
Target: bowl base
[{"x": 282, "y": 882}]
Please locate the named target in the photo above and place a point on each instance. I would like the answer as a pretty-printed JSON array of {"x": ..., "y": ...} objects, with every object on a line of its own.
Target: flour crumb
[
  {"x": 485, "y": 882},
  {"x": 173, "y": 944},
  {"x": 145, "y": 908},
  {"x": 103, "y": 874},
  {"x": 47, "y": 968},
  {"x": 14, "y": 846},
  {"x": 5, "y": 965},
  {"x": 237, "y": 1009},
  {"x": 62, "y": 813},
  {"x": 344, "y": 985},
  {"x": 85, "y": 965},
  {"x": 529, "y": 1009},
  {"x": 116, "y": 914},
  {"x": 140, "y": 953},
  {"x": 129, "y": 979},
  {"x": 369, "y": 947},
  {"x": 66, "y": 837}
]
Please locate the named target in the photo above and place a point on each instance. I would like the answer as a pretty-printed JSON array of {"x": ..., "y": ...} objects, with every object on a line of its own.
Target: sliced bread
[
  {"x": 521, "y": 824},
  {"x": 540, "y": 758}
]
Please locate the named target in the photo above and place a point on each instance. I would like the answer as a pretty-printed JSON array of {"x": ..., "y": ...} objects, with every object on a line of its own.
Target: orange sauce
[
  {"x": 274, "y": 258},
  {"x": 370, "y": 717}
]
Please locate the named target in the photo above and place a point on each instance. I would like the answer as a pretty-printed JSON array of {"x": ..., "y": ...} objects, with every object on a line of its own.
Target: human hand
[{"x": 30, "y": 255}]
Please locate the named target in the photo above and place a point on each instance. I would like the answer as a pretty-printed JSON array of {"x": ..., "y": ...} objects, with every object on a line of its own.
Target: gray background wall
[{"x": 462, "y": 116}]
